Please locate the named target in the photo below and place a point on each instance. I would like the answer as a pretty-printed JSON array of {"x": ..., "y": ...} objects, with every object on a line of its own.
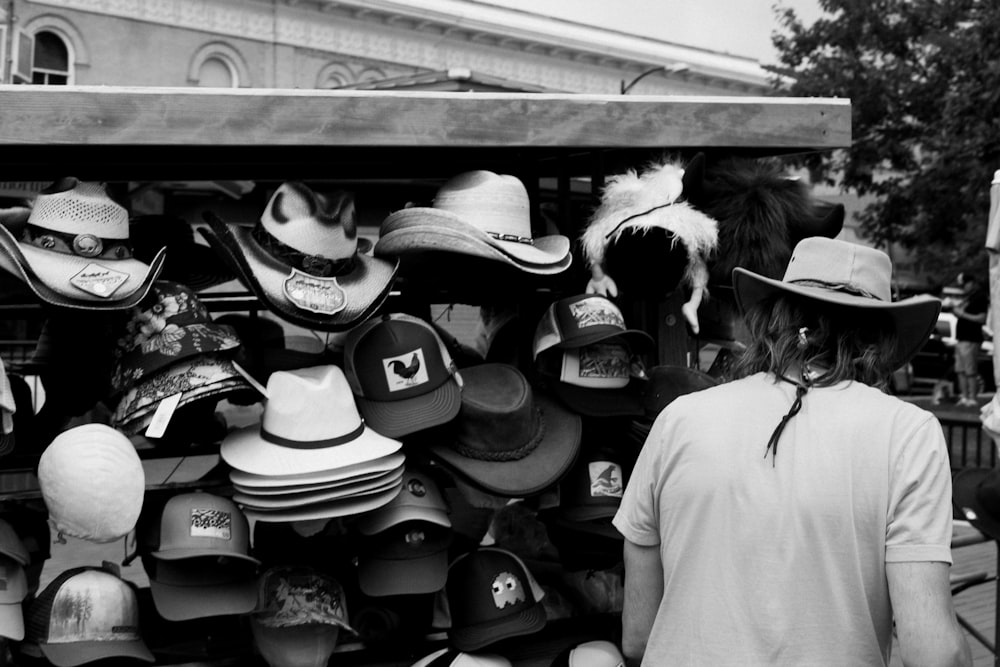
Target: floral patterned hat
[{"x": 171, "y": 326}]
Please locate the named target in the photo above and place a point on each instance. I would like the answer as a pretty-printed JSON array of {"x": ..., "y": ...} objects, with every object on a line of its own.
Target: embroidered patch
[
  {"x": 211, "y": 523},
  {"x": 416, "y": 487},
  {"x": 405, "y": 370},
  {"x": 315, "y": 294},
  {"x": 596, "y": 311},
  {"x": 605, "y": 479},
  {"x": 507, "y": 590},
  {"x": 98, "y": 280},
  {"x": 604, "y": 361}
]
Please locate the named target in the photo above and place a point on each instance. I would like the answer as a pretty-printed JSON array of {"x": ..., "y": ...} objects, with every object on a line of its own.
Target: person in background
[
  {"x": 792, "y": 515},
  {"x": 970, "y": 312}
]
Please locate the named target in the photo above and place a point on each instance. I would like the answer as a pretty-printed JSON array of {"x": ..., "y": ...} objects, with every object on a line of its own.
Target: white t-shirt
[{"x": 782, "y": 560}]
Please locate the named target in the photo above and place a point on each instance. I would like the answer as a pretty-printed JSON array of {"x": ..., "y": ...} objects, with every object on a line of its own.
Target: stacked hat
[
  {"x": 13, "y": 582},
  {"x": 84, "y": 615},
  {"x": 92, "y": 482},
  {"x": 311, "y": 456},
  {"x": 171, "y": 355},
  {"x": 404, "y": 550},
  {"x": 476, "y": 214},
  {"x": 304, "y": 261},
  {"x": 73, "y": 251},
  {"x": 491, "y": 596},
  {"x": 196, "y": 551},
  {"x": 508, "y": 440},
  {"x": 402, "y": 375},
  {"x": 447, "y": 657},
  {"x": 585, "y": 351}
]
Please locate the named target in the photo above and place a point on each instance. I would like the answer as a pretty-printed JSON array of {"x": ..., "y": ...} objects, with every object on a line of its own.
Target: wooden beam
[{"x": 111, "y": 116}]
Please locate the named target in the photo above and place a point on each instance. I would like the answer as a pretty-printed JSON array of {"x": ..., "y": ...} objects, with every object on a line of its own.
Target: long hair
[{"x": 840, "y": 343}]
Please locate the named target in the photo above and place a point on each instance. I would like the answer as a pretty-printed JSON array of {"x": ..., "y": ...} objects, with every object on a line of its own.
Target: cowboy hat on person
[
  {"x": 846, "y": 275},
  {"x": 479, "y": 214},
  {"x": 304, "y": 261},
  {"x": 73, "y": 250}
]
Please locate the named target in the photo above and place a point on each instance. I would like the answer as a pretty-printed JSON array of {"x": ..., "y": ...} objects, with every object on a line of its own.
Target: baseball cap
[
  {"x": 409, "y": 558},
  {"x": 595, "y": 380},
  {"x": 491, "y": 595},
  {"x": 418, "y": 499},
  {"x": 309, "y": 645},
  {"x": 447, "y": 657},
  {"x": 13, "y": 590},
  {"x": 293, "y": 595},
  {"x": 597, "y": 653},
  {"x": 200, "y": 524},
  {"x": 201, "y": 587},
  {"x": 402, "y": 374},
  {"x": 86, "y": 614},
  {"x": 585, "y": 319}
]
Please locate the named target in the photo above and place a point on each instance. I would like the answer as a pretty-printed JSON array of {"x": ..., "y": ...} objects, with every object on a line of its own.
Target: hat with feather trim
[
  {"x": 304, "y": 261},
  {"x": 73, "y": 250}
]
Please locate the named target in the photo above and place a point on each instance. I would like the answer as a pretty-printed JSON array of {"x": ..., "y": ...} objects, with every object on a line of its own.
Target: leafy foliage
[{"x": 923, "y": 77}]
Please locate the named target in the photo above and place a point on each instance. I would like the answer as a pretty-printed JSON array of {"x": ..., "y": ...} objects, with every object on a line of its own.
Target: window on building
[
  {"x": 217, "y": 73},
  {"x": 50, "y": 63}
]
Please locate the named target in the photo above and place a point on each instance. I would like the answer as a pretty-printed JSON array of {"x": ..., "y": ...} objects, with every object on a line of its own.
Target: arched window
[
  {"x": 218, "y": 65},
  {"x": 50, "y": 63},
  {"x": 217, "y": 73}
]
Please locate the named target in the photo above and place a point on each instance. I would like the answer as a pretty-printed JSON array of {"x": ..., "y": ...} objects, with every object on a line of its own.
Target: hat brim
[
  {"x": 306, "y": 489},
  {"x": 398, "y": 418},
  {"x": 365, "y": 288},
  {"x": 538, "y": 470},
  {"x": 12, "y": 620},
  {"x": 913, "y": 319},
  {"x": 183, "y": 603},
  {"x": 48, "y": 274},
  {"x": 636, "y": 339},
  {"x": 71, "y": 654},
  {"x": 375, "y": 522},
  {"x": 475, "y": 637},
  {"x": 294, "y": 500},
  {"x": 246, "y": 450},
  {"x": 624, "y": 402},
  {"x": 174, "y": 555},
  {"x": 414, "y": 230},
  {"x": 967, "y": 505},
  {"x": 381, "y": 577},
  {"x": 342, "y": 475},
  {"x": 329, "y": 510}
]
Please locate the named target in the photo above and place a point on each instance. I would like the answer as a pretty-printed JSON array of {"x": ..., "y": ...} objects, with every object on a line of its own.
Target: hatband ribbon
[
  {"x": 314, "y": 265},
  {"x": 312, "y": 444}
]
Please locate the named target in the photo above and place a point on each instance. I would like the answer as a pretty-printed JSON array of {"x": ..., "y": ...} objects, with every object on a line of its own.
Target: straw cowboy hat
[
  {"x": 480, "y": 214},
  {"x": 73, "y": 251},
  {"x": 846, "y": 275},
  {"x": 304, "y": 261}
]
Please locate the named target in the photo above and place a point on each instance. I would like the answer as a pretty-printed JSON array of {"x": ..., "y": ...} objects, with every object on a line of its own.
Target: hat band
[
  {"x": 312, "y": 444},
  {"x": 506, "y": 454},
  {"x": 514, "y": 238},
  {"x": 83, "y": 245},
  {"x": 836, "y": 287},
  {"x": 314, "y": 265}
]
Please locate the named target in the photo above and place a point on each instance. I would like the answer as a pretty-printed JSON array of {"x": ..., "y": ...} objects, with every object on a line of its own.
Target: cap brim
[
  {"x": 398, "y": 418},
  {"x": 184, "y": 554},
  {"x": 376, "y": 522},
  {"x": 246, "y": 450},
  {"x": 624, "y": 402},
  {"x": 379, "y": 577},
  {"x": 78, "y": 653},
  {"x": 345, "y": 491},
  {"x": 913, "y": 319},
  {"x": 329, "y": 510},
  {"x": 183, "y": 603},
  {"x": 12, "y": 621},
  {"x": 475, "y": 637},
  {"x": 365, "y": 287},
  {"x": 539, "y": 469},
  {"x": 636, "y": 339},
  {"x": 964, "y": 486}
]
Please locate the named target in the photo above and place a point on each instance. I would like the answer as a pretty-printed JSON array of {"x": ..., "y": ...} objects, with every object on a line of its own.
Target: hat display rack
[{"x": 373, "y": 417}]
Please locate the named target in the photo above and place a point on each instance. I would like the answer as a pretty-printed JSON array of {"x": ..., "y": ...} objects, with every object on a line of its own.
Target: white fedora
[
  {"x": 310, "y": 423},
  {"x": 305, "y": 489},
  {"x": 344, "y": 507},
  {"x": 366, "y": 470},
  {"x": 294, "y": 500}
]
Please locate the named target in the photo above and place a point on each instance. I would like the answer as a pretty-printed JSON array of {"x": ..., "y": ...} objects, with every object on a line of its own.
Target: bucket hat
[
  {"x": 848, "y": 276},
  {"x": 171, "y": 324},
  {"x": 595, "y": 380},
  {"x": 585, "y": 319},
  {"x": 188, "y": 262},
  {"x": 310, "y": 424},
  {"x": 74, "y": 250},
  {"x": 976, "y": 497},
  {"x": 491, "y": 596},
  {"x": 447, "y": 657},
  {"x": 86, "y": 614},
  {"x": 92, "y": 483},
  {"x": 402, "y": 375},
  {"x": 304, "y": 261},
  {"x": 508, "y": 439},
  {"x": 480, "y": 214},
  {"x": 13, "y": 591}
]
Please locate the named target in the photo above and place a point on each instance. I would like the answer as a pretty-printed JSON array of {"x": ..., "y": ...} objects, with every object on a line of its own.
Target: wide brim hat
[
  {"x": 976, "y": 497},
  {"x": 344, "y": 507},
  {"x": 382, "y": 465},
  {"x": 292, "y": 490},
  {"x": 364, "y": 289},
  {"x": 847, "y": 276},
  {"x": 293, "y": 500}
]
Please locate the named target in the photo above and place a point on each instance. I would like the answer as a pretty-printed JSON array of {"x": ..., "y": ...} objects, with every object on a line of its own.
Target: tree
[{"x": 923, "y": 77}]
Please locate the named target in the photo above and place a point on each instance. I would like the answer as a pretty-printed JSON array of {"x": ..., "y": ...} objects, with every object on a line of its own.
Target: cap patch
[
  {"x": 604, "y": 361},
  {"x": 507, "y": 590},
  {"x": 405, "y": 370},
  {"x": 605, "y": 479},
  {"x": 596, "y": 311},
  {"x": 98, "y": 280},
  {"x": 211, "y": 523},
  {"x": 416, "y": 488}
]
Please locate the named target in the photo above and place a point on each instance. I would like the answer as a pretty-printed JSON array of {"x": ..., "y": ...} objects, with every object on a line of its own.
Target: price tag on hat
[{"x": 161, "y": 418}]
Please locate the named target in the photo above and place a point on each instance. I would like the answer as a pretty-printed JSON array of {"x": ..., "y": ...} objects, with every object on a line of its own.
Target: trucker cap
[
  {"x": 583, "y": 320},
  {"x": 595, "y": 380},
  {"x": 200, "y": 524},
  {"x": 86, "y": 614},
  {"x": 402, "y": 375}
]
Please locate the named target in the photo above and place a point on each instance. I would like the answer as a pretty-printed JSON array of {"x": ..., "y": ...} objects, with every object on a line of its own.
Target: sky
[{"x": 737, "y": 27}]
